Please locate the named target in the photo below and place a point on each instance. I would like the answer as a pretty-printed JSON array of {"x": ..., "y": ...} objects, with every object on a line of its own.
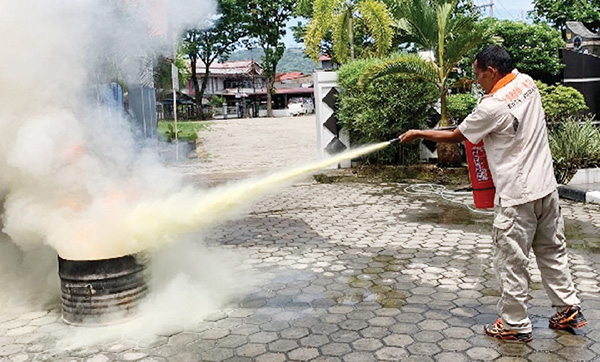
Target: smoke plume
[{"x": 70, "y": 169}]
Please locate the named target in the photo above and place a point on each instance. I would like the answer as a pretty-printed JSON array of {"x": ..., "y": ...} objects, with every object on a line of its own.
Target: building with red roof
[{"x": 242, "y": 82}]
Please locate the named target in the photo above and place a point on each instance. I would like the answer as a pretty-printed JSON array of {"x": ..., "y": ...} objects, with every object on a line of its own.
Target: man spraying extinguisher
[{"x": 510, "y": 121}]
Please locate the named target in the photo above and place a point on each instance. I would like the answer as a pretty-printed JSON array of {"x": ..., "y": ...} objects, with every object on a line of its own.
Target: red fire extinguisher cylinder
[{"x": 484, "y": 190}]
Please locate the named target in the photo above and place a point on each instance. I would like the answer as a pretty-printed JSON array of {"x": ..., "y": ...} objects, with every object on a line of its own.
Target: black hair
[{"x": 496, "y": 57}]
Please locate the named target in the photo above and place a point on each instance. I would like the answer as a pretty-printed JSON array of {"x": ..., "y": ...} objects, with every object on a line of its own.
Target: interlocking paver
[
  {"x": 294, "y": 333},
  {"x": 391, "y": 354},
  {"x": 283, "y": 345},
  {"x": 573, "y": 341},
  {"x": 576, "y": 354},
  {"x": 231, "y": 341},
  {"x": 251, "y": 350},
  {"x": 217, "y": 354},
  {"x": 428, "y": 336},
  {"x": 263, "y": 337},
  {"x": 423, "y": 348},
  {"x": 336, "y": 349},
  {"x": 314, "y": 340},
  {"x": 367, "y": 344},
  {"x": 271, "y": 357},
  {"x": 382, "y": 321},
  {"x": 374, "y": 332},
  {"x": 359, "y": 357},
  {"x": 303, "y": 354},
  {"x": 454, "y": 344},
  {"x": 450, "y": 357},
  {"x": 344, "y": 272},
  {"x": 482, "y": 353},
  {"x": 354, "y": 324},
  {"x": 344, "y": 336}
]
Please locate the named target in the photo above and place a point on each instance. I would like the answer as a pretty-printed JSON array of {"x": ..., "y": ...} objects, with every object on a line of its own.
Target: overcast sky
[{"x": 503, "y": 9}]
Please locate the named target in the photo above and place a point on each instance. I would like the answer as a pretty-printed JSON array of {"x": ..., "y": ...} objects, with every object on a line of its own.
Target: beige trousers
[{"x": 536, "y": 225}]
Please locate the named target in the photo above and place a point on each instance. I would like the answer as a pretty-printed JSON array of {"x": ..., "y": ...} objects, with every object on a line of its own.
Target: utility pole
[
  {"x": 490, "y": 5},
  {"x": 175, "y": 86}
]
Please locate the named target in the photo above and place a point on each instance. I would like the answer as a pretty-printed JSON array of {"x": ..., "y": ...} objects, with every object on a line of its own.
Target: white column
[{"x": 327, "y": 133}]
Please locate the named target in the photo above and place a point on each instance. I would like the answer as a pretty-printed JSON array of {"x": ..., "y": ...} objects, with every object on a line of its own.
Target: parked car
[{"x": 300, "y": 105}]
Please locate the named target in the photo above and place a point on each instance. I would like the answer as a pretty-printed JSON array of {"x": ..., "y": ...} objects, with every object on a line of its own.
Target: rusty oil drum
[{"x": 99, "y": 292}]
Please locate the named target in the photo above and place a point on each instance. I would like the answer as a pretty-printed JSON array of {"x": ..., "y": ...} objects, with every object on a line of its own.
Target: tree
[
  {"x": 341, "y": 18},
  {"x": 534, "y": 48},
  {"x": 216, "y": 42},
  {"x": 304, "y": 8},
  {"x": 558, "y": 12},
  {"x": 162, "y": 73},
  {"x": 449, "y": 35},
  {"x": 267, "y": 24}
]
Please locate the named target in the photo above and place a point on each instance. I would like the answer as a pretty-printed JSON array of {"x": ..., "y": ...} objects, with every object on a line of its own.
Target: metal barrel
[{"x": 99, "y": 292}]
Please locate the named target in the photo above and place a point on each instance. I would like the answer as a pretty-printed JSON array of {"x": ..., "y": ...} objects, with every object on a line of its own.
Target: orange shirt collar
[{"x": 502, "y": 82}]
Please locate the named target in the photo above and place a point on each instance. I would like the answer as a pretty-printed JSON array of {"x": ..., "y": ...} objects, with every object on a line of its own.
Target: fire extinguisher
[{"x": 484, "y": 190}]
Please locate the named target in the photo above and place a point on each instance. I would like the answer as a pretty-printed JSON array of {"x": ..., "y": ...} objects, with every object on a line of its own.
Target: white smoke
[
  {"x": 70, "y": 170},
  {"x": 69, "y": 167}
]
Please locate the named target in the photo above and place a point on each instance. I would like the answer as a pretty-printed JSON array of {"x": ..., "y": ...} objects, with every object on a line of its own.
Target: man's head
[{"x": 491, "y": 64}]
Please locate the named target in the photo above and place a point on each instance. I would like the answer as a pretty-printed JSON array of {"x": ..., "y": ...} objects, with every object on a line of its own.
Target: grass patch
[{"x": 186, "y": 130}]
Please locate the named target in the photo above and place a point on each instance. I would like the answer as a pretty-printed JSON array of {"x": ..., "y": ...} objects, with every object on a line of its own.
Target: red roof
[
  {"x": 294, "y": 90},
  {"x": 324, "y": 57},
  {"x": 289, "y": 76}
]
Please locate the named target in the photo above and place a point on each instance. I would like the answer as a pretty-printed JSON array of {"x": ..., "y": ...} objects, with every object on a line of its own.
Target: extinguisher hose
[{"x": 462, "y": 198}]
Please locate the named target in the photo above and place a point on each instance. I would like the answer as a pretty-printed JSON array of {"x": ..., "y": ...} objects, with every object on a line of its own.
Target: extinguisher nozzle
[{"x": 394, "y": 140}]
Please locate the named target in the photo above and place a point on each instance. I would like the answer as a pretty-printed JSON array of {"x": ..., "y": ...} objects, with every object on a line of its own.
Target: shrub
[
  {"x": 216, "y": 100},
  {"x": 459, "y": 106},
  {"x": 383, "y": 109},
  {"x": 575, "y": 144},
  {"x": 560, "y": 101},
  {"x": 186, "y": 131}
]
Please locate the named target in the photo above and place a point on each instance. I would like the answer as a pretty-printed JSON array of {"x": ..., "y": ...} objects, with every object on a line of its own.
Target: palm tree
[
  {"x": 338, "y": 17},
  {"x": 439, "y": 28}
]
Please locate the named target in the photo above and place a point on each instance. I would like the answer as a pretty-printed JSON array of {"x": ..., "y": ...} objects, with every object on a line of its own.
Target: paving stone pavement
[
  {"x": 238, "y": 147},
  {"x": 356, "y": 272}
]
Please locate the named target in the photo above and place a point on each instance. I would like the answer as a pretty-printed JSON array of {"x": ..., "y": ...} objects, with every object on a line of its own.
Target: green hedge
[
  {"x": 459, "y": 106},
  {"x": 383, "y": 109},
  {"x": 560, "y": 101}
]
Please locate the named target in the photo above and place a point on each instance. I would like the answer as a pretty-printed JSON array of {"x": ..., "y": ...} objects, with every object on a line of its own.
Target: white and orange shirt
[{"x": 511, "y": 122}]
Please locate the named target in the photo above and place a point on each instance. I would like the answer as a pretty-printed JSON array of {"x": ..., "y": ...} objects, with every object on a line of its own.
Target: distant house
[
  {"x": 293, "y": 85},
  {"x": 581, "y": 39},
  {"x": 325, "y": 62},
  {"x": 243, "y": 86},
  {"x": 231, "y": 79}
]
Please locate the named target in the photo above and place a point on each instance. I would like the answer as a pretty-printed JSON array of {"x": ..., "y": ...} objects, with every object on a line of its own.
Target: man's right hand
[
  {"x": 432, "y": 135},
  {"x": 410, "y": 135}
]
